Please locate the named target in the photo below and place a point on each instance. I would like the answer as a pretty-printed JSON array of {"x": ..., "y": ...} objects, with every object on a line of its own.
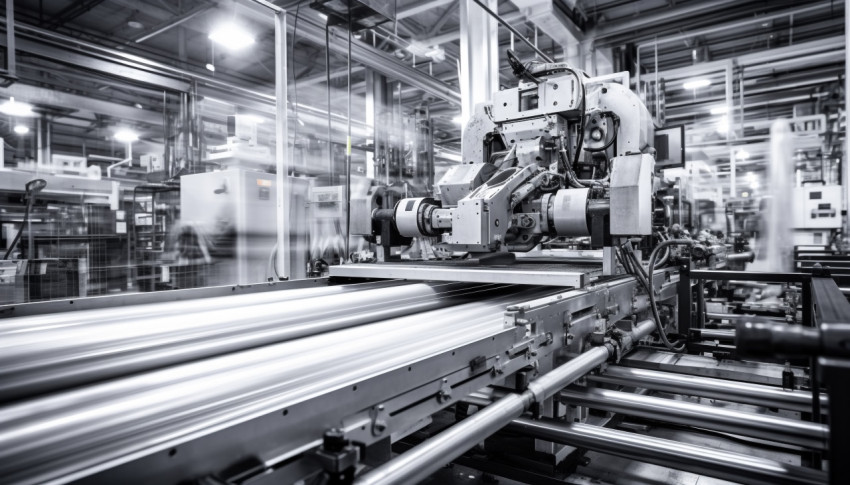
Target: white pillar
[{"x": 479, "y": 56}]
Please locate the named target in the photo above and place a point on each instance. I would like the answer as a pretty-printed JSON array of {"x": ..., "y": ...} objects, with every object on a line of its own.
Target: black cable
[
  {"x": 653, "y": 305},
  {"x": 20, "y": 231},
  {"x": 610, "y": 142},
  {"x": 580, "y": 141}
]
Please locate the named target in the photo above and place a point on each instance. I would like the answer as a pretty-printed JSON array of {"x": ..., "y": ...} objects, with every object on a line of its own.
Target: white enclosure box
[{"x": 817, "y": 207}]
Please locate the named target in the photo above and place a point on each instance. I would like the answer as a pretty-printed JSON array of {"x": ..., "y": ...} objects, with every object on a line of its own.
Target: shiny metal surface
[
  {"x": 757, "y": 394},
  {"x": 782, "y": 430},
  {"x": 422, "y": 461},
  {"x": 551, "y": 275},
  {"x": 74, "y": 434},
  {"x": 41, "y": 354},
  {"x": 698, "y": 459}
]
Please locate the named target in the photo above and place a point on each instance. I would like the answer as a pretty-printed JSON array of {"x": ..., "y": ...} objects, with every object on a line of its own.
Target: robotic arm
[{"x": 519, "y": 182}]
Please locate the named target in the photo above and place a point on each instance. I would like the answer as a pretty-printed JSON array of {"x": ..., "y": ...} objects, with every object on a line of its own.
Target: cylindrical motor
[
  {"x": 413, "y": 217},
  {"x": 566, "y": 212}
]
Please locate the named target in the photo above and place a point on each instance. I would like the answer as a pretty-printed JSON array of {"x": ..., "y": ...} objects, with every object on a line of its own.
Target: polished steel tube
[
  {"x": 423, "y": 460},
  {"x": 151, "y": 310},
  {"x": 715, "y": 334},
  {"x": 682, "y": 456},
  {"x": 726, "y": 390},
  {"x": 70, "y": 435},
  {"x": 783, "y": 430},
  {"x": 48, "y": 357}
]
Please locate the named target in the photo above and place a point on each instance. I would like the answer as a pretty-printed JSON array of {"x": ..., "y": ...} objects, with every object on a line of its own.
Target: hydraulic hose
[{"x": 652, "y": 257}]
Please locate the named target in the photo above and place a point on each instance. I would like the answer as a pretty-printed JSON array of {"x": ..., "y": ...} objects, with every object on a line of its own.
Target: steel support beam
[
  {"x": 171, "y": 23},
  {"x": 309, "y": 29},
  {"x": 76, "y": 102}
]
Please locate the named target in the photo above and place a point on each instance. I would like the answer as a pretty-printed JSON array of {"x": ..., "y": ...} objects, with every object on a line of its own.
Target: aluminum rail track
[
  {"x": 75, "y": 434},
  {"x": 726, "y": 390},
  {"x": 703, "y": 460},
  {"x": 48, "y": 353}
]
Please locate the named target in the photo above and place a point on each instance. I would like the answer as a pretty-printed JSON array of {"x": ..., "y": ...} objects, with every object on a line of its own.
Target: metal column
[
  {"x": 479, "y": 56},
  {"x": 282, "y": 151}
]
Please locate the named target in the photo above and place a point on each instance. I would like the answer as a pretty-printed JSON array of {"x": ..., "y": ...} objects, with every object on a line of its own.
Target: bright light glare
[
  {"x": 16, "y": 108},
  {"x": 257, "y": 120},
  {"x": 719, "y": 110},
  {"x": 210, "y": 67},
  {"x": 22, "y": 129},
  {"x": 457, "y": 120},
  {"x": 126, "y": 136},
  {"x": 723, "y": 125},
  {"x": 742, "y": 155},
  {"x": 231, "y": 36},
  {"x": 696, "y": 83}
]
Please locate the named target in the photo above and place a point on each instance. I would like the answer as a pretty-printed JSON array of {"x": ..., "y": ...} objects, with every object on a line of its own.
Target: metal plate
[{"x": 572, "y": 275}]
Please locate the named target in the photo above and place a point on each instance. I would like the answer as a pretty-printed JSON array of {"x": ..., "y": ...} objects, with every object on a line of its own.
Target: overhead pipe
[
  {"x": 703, "y": 460},
  {"x": 423, "y": 460}
]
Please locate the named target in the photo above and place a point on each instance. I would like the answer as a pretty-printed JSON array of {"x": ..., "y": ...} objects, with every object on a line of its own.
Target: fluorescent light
[
  {"x": 323, "y": 16},
  {"x": 696, "y": 83},
  {"x": 16, "y": 108},
  {"x": 22, "y": 129},
  {"x": 457, "y": 119},
  {"x": 719, "y": 110},
  {"x": 210, "y": 67},
  {"x": 231, "y": 36},
  {"x": 126, "y": 136}
]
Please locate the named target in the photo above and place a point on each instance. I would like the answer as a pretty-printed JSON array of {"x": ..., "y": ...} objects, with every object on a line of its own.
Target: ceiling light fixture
[
  {"x": 210, "y": 67},
  {"x": 16, "y": 108},
  {"x": 719, "y": 110},
  {"x": 126, "y": 136},
  {"x": 134, "y": 24},
  {"x": 231, "y": 36},
  {"x": 696, "y": 84},
  {"x": 22, "y": 129}
]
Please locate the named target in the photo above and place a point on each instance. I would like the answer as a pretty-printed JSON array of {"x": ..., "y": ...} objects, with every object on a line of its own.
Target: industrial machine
[{"x": 571, "y": 369}]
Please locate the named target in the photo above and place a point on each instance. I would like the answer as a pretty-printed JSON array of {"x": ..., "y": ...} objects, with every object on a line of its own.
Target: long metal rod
[
  {"x": 41, "y": 358},
  {"x": 425, "y": 459},
  {"x": 757, "y": 394},
  {"x": 282, "y": 152},
  {"x": 782, "y": 430},
  {"x": 513, "y": 31},
  {"x": 711, "y": 462}
]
